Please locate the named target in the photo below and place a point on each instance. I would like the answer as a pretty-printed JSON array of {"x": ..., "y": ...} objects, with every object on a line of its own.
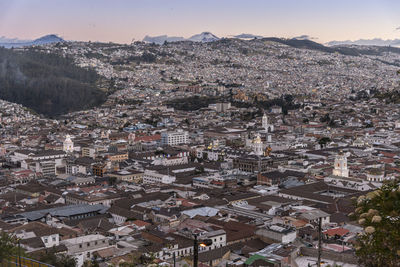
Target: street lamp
[
  {"x": 196, "y": 243},
  {"x": 205, "y": 243}
]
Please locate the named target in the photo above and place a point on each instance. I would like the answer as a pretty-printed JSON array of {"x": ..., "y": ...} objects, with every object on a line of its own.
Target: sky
[{"x": 123, "y": 20}]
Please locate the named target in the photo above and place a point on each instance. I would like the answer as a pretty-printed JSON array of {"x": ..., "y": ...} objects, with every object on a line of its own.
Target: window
[
  {"x": 95, "y": 242},
  {"x": 54, "y": 239},
  {"x": 80, "y": 245},
  {"x": 46, "y": 240},
  {"x": 88, "y": 244},
  {"x": 220, "y": 239}
]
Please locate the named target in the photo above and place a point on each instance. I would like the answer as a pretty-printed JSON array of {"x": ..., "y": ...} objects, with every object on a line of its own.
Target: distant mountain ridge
[
  {"x": 375, "y": 42},
  {"x": 201, "y": 37},
  {"x": 204, "y": 37},
  {"x": 247, "y": 36},
  {"x": 47, "y": 39},
  {"x": 341, "y": 49},
  {"x": 161, "y": 39}
]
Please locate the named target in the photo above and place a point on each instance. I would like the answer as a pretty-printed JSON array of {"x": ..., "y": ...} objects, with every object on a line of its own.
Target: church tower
[
  {"x": 341, "y": 165},
  {"x": 268, "y": 127},
  {"x": 258, "y": 146},
  {"x": 68, "y": 145}
]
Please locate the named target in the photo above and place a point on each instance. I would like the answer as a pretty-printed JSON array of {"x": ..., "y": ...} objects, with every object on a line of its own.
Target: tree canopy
[
  {"x": 378, "y": 212},
  {"x": 8, "y": 246},
  {"x": 47, "y": 83}
]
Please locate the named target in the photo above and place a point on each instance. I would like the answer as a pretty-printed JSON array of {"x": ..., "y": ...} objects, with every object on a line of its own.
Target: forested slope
[{"x": 47, "y": 83}]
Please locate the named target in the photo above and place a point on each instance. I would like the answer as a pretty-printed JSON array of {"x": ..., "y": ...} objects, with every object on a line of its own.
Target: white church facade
[{"x": 68, "y": 145}]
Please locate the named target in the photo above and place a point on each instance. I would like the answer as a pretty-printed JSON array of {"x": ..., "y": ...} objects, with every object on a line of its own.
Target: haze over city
[{"x": 121, "y": 20}]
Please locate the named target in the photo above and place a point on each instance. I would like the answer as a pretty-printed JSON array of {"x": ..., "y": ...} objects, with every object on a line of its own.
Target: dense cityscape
[{"x": 231, "y": 152}]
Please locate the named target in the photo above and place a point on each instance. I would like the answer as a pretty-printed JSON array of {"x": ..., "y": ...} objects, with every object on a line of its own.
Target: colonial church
[
  {"x": 340, "y": 168},
  {"x": 68, "y": 145}
]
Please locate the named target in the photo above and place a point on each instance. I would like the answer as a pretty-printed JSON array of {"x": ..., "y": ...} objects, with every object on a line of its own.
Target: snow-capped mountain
[
  {"x": 47, "y": 39},
  {"x": 204, "y": 37}
]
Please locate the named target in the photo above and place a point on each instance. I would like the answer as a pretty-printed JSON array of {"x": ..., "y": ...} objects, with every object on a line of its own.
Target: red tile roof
[
  {"x": 140, "y": 223},
  {"x": 148, "y": 138},
  {"x": 336, "y": 231}
]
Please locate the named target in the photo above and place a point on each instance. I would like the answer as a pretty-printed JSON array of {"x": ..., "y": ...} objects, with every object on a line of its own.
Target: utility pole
[
  {"x": 203, "y": 243},
  {"x": 19, "y": 253},
  {"x": 195, "y": 251},
  {"x": 319, "y": 240}
]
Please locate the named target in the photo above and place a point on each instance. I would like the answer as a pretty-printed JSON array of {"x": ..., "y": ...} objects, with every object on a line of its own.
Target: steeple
[
  {"x": 340, "y": 168},
  {"x": 267, "y": 127},
  {"x": 265, "y": 121}
]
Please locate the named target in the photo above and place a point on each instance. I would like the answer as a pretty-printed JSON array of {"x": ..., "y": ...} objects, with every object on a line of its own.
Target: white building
[
  {"x": 47, "y": 234},
  {"x": 177, "y": 137},
  {"x": 82, "y": 247},
  {"x": 218, "y": 238},
  {"x": 340, "y": 168},
  {"x": 68, "y": 145},
  {"x": 153, "y": 177},
  {"x": 352, "y": 183},
  {"x": 278, "y": 232},
  {"x": 223, "y": 107},
  {"x": 258, "y": 146},
  {"x": 265, "y": 124},
  {"x": 375, "y": 175},
  {"x": 171, "y": 161}
]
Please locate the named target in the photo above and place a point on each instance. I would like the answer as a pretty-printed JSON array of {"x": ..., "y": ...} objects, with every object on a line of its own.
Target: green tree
[
  {"x": 323, "y": 141},
  {"x": 325, "y": 118},
  {"x": 112, "y": 180},
  {"x": 58, "y": 260},
  {"x": 91, "y": 263},
  {"x": 8, "y": 246},
  {"x": 65, "y": 261},
  {"x": 379, "y": 213}
]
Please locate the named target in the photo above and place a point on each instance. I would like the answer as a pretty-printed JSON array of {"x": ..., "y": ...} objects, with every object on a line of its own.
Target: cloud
[
  {"x": 398, "y": 28},
  {"x": 305, "y": 37}
]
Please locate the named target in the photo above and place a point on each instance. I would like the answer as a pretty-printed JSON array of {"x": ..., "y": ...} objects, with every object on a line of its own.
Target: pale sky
[{"x": 122, "y": 20}]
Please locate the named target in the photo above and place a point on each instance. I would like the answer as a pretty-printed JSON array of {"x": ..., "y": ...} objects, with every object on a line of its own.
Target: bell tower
[{"x": 340, "y": 168}]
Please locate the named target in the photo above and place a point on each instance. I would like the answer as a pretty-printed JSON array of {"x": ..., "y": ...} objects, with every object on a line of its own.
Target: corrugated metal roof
[{"x": 65, "y": 211}]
